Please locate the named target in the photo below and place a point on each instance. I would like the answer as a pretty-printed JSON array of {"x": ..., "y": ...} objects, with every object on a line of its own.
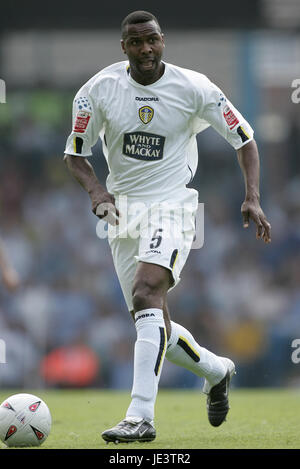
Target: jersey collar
[{"x": 156, "y": 83}]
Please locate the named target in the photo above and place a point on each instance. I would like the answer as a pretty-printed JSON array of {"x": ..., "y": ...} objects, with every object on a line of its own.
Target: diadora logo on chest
[
  {"x": 146, "y": 98},
  {"x": 146, "y": 114}
]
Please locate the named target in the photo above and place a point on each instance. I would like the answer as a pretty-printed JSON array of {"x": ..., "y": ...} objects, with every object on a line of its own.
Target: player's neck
[{"x": 145, "y": 79}]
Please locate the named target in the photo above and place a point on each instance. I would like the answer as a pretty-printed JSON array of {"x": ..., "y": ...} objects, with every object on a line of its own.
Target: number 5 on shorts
[{"x": 156, "y": 240}]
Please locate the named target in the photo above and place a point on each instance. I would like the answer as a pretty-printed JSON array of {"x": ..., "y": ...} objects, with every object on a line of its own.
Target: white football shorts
[{"x": 159, "y": 233}]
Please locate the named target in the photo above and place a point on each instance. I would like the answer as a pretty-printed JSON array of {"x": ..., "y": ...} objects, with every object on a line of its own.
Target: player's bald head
[{"x": 136, "y": 17}]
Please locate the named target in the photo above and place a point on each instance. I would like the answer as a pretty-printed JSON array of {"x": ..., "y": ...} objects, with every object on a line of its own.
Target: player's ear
[{"x": 123, "y": 46}]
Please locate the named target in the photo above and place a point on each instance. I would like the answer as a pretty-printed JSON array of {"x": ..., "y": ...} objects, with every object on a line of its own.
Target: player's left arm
[
  {"x": 248, "y": 158},
  {"x": 220, "y": 113}
]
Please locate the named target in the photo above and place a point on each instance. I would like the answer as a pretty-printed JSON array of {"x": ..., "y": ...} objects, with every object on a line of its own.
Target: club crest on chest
[{"x": 146, "y": 114}]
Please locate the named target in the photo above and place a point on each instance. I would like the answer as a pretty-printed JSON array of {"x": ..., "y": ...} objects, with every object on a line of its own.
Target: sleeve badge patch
[
  {"x": 230, "y": 117},
  {"x": 81, "y": 121}
]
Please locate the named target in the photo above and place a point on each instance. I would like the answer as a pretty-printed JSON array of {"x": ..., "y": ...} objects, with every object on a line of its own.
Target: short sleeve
[
  {"x": 87, "y": 122},
  {"x": 220, "y": 113}
]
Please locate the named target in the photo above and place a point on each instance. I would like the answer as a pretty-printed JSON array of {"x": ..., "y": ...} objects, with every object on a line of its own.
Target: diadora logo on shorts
[
  {"x": 150, "y": 98},
  {"x": 146, "y": 315}
]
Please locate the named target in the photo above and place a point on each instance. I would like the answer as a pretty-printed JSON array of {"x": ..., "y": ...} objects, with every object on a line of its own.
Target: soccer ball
[{"x": 25, "y": 420}]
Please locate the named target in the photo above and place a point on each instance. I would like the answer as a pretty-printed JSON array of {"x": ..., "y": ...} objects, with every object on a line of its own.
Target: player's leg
[
  {"x": 183, "y": 350},
  {"x": 167, "y": 319},
  {"x": 150, "y": 287}
]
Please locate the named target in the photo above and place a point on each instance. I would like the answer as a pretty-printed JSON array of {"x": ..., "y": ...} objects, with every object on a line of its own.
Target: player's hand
[
  {"x": 104, "y": 206},
  {"x": 251, "y": 210}
]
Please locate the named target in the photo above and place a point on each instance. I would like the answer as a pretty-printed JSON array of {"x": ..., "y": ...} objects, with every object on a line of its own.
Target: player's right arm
[
  {"x": 87, "y": 123},
  {"x": 103, "y": 203}
]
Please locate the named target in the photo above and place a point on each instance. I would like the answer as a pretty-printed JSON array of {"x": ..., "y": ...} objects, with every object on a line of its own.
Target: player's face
[{"x": 144, "y": 45}]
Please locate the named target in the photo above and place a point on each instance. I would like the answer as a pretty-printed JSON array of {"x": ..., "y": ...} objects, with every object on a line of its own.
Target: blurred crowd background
[{"x": 63, "y": 319}]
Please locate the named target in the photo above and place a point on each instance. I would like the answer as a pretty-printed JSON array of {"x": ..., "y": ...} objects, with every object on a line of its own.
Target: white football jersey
[{"x": 149, "y": 132}]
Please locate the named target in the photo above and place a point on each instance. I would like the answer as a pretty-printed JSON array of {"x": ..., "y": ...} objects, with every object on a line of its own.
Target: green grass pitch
[{"x": 258, "y": 419}]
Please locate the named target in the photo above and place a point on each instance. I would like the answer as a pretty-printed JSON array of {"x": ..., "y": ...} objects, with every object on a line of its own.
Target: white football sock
[
  {"x": 184, "y": 351},
  {"x": 149, "y": 354}
]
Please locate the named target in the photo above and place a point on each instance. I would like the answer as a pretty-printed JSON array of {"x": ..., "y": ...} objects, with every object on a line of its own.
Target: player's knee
[{"x": 147, "y": 294}]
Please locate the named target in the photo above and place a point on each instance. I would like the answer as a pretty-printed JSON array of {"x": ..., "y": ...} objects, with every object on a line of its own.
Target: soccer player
[{"x": 148, "y": 113}]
